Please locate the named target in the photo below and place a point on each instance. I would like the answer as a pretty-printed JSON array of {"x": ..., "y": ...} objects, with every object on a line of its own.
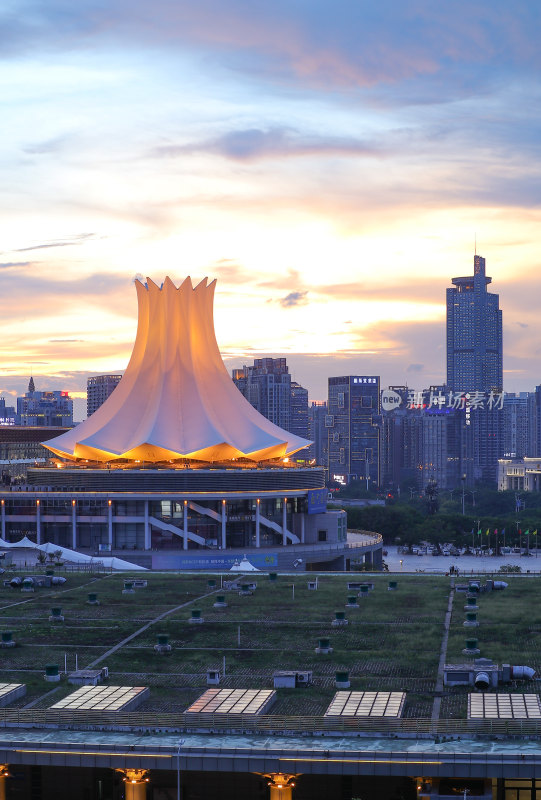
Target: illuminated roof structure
[
  {"x": 104, "y": 698},
  {"x": 176, "y": 399},
  {"x": 504, "y": 706},
  {"x": 367, "y": 704},
  {"x": 234, "y": 701}
]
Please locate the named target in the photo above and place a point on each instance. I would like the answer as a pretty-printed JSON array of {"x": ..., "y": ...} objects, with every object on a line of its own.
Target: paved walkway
[{"x": 436, "y": 707}]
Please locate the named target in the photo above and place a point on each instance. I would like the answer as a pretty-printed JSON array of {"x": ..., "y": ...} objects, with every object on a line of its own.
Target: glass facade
[
  {"x": 121, "y": 522},
  {"x": 474, "y": 334},
  {"x": 475, "y": 364},
  {"x": 354, "y": 428}
]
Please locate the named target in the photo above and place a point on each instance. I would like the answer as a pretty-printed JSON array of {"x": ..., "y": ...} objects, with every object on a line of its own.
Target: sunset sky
[{"x": 331, "y": 164}]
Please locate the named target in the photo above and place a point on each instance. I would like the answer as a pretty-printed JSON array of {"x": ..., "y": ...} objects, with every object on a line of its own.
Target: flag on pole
[
  {"x": 527, "y": 533},
  {"x": 488, "y": 531},
  {"x": 535, "y": 532},
  {"x": 479, "y": 532},
  {"x": 495, "y": 531}
]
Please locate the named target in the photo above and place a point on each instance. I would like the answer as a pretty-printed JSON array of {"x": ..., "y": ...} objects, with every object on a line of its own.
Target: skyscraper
[
  {"x": 98, "y": 389},
  {"x": 534, "y": 419},
  {"x": 299, "y": 423},
  {"x": 474, "y": 334},
  {"x": 474, "y": 370},
  {"x": 317, "y": 432},
  {"x": 267, "y": 386},
  {"x": 354, "y": 424}
]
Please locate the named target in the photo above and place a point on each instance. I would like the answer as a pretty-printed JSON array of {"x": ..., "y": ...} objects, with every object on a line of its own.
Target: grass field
[{"x": 392, "y": 641}]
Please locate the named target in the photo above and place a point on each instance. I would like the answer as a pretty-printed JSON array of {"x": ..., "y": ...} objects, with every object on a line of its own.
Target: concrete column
[
  {"x": 224, "y": 521},
  {"x": 136, "y": 791},
  {"x": 4, "y": 774},
  {"x": 185, "y": 526},
  {"x": 38, "y": 522},
  {"x": 135, "y": 783},
  {"x": 257, "y": 523},
  {"x": 302, "y": 528},
  {"x": 284, "y": 521},
  {"x": 3, "y": 519},
  {"x": 73, "y": 525},
  {"x": 281, "y": 785},
  {"x": 377, "y": 558},
  {"x": 148, "y": 540},
  {"x": 110, "y": 523}
]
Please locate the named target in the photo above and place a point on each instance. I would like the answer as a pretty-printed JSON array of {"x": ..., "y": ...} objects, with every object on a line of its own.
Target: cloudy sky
[{"x": 330, "y": 163}]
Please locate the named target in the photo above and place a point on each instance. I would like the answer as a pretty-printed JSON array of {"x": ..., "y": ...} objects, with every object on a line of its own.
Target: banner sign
[
  {"x": 201, "y": 561},
  {"x": 317, "y": 501}
]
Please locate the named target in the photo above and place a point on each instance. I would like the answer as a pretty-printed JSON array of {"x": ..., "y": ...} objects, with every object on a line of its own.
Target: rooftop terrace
[{"x": 391, "y": 643}]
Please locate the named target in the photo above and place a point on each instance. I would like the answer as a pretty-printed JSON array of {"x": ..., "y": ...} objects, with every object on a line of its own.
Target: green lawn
[{"x": 392, "y": 641}]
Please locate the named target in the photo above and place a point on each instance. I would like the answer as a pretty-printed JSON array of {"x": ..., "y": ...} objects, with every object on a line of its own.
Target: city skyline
[{"x": 332, "y": 168}]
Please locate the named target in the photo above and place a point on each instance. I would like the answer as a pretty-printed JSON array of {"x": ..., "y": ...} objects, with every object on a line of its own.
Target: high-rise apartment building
[
  {"x": 353, "y": 422},
  {"x": 298, "y": 410},
  {"x": 475, "y": 370},
  {"x": 267, "y": 386},
  {"x": 317, "y": 432},
  {"x": 98, "y": 389}
]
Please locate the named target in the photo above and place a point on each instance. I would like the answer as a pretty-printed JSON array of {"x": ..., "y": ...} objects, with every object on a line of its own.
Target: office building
[
  {"x": 98, "y": 389},
  {"x": 534, "y": 422},
  {"x": 474, "y": 334},
  {"x": 400, "y": 438},
  {"x": 298, "y": 418},
  {"x": 353, "y": 424},
  {"x": 179, "y": 466},
  {"x": 44, "y": 409},
  {"x": 516, "y": 425},
  {"x": 423, "y": 438},
  {"x": 442, "y": 434},
  {"x": 475, "y": 369},
  {"x": 8, "y": 415},
  {"x": 519, "y": 474}
]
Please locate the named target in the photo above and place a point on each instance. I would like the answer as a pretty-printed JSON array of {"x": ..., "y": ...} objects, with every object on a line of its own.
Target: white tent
[
  {"x": 23, "y": 543},
  {"x": 243, "y": 566},
  {"x": 110, "y": 562},
  {"x": 49, "y": 547}
]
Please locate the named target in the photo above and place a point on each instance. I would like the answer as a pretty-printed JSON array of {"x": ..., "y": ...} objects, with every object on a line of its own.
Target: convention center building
[{"x": 176, "y": 469}]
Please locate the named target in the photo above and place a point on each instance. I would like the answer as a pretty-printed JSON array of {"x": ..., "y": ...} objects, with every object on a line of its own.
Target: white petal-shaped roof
[{"x": 176, "y": 398}]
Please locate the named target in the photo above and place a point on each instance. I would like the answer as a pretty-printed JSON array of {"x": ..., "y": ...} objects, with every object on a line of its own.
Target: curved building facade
[{"x": 176, "y": 466}]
